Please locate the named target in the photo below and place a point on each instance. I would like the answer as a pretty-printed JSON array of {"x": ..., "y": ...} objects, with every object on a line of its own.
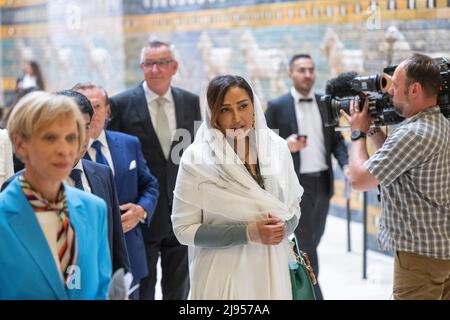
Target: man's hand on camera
[
  {"x": 358, "y": 120},
  {"x": 295, "y": 144}
]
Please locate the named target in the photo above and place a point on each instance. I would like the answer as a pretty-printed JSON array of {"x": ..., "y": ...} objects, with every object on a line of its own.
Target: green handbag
[{"x": 302, "y": 275}]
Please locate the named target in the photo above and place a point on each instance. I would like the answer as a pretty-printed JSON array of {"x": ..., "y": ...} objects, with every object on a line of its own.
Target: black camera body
[
  {"x": 340, "y": 91},
  {"x": 443, "y": 99}
]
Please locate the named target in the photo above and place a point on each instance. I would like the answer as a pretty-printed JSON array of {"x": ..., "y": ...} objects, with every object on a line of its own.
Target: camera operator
[{"x": 412, "y": 166}]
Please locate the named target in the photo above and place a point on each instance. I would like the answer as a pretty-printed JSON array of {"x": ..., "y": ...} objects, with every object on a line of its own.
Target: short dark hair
[
  {"x": 424, "y": 70},
  {"x": 89, "y": 86},
  {"x": 217, "y": 89},
  {"x": 155, "y": 44},
  {"x": 298, "y": 56},
  {"x": 82, "y": 101}
]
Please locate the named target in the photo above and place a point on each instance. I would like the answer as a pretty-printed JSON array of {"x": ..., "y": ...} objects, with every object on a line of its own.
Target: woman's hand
[{"x": 270, "y": 230}]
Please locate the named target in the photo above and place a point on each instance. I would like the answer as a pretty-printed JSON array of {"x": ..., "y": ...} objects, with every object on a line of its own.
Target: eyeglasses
[{"x": 161, "y": 64}]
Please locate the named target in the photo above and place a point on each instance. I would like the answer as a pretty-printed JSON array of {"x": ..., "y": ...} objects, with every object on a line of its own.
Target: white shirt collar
[
  {"x": 79, "y": 165},
  {"x": 101, "y": 138},
  {"x": 297, "y": 95},
  {"x": 84, "y": 179},
  {"x": 152, "y": 96}
]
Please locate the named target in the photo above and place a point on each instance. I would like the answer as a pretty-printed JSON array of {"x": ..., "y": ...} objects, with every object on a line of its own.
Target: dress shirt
[
  {"x": 105, "y": 149},
  {"x": 84, "y": 180},
  {"x": 169, "y": 107},
  {"x": 309, "y": 122}
]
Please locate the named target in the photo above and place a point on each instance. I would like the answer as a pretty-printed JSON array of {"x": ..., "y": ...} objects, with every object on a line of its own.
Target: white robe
[
  {"x": 245, "y": 272},
  {"x": 214, "y": 187},
  {"x": 242, "y": 272}
]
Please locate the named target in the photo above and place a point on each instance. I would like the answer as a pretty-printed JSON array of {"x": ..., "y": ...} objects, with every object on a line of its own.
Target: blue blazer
[
  {"x": 102, "y": 184},
  {"x": 134, "y": 184},
  {"x": 28, "y": 269}
]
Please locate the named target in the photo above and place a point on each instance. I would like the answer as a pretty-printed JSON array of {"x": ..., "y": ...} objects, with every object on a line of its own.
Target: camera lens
[{"x": 385, "y": 83}]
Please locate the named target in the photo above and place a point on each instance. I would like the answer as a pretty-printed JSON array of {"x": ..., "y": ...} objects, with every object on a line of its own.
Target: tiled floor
[{"x": 341, "y": 271}]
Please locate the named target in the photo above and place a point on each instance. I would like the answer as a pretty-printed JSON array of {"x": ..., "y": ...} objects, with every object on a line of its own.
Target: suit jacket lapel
[
  {"x": 30, "y": 234},
  {"x": 91, "y": 176},
  {"x": 141, "y": 107},
  {"x": 292, "y": 115},
  {"x": 96, "y": 184},
  {"x": 117, "y": 152},
  {"x": 322, "y": 113},
  {"x": 179, "y": 110},
  {"x": 77, "y": 216},
  {"x": 87, "y": 157},
  {"x": 325, "y": 130}
]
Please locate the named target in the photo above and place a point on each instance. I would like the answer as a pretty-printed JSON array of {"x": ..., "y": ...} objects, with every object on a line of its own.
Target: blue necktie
[
  {"x": 99, "y": 157},
  {"x": 75, "y": 175}
]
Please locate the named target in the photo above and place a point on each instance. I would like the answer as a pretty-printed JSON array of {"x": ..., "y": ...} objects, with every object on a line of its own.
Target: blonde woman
[{"x": 54, "y": 241}]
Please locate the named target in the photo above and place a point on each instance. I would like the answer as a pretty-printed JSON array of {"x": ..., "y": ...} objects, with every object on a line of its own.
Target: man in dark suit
[
  {"x": 101, "y": 183},
  {"x": 300, "y": 121},
  {"x": 97, "y": 179},
  {"x": 162, "y": 117},
  {"x": 137, "y": 188}
]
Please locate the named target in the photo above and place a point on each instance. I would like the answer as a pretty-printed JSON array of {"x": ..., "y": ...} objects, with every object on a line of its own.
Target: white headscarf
[{"x": 216, "y": 180}]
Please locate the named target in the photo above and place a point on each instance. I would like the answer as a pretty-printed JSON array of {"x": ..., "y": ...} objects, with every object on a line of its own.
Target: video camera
[{"x": 340, "y": 91}]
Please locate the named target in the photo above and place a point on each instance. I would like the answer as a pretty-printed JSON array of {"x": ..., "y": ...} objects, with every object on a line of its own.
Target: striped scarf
[{"x": 66, "y": 239}]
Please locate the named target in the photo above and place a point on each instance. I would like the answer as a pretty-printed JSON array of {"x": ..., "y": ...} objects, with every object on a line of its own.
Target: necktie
[
  {"x": 76, "y": 177},
  {"x": 162, "y": 127},
  {"x": 305, "y": 100},
  {"x": 99, "y": 157}
]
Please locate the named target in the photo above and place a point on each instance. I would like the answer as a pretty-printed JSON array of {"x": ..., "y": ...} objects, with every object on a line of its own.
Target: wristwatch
[
  {"x": 357, "y": 134},
  {"x": 144, "y": 217}
]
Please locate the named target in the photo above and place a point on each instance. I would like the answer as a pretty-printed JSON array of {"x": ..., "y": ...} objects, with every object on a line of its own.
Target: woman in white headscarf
[{"x": 236, "y": 200}]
